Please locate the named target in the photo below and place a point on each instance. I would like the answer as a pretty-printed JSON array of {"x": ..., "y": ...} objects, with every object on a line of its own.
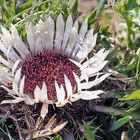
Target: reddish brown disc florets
[{"x": 47, "y": 67}]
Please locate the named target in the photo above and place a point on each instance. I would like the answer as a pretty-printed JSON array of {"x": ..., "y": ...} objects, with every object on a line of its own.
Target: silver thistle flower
[{"x": 50, "y": 69}]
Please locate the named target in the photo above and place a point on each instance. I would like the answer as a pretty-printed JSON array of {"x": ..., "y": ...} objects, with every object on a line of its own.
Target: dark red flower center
[{"x": 47, "y": 67}]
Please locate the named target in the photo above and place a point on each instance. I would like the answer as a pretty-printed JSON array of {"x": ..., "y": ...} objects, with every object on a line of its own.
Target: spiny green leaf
[
  {"x": 13, "y": 6},
  {"x": 16, "y": 16},
  {"x": 92, "y": 17},
  {"x": 135, "y": 95},
  {"x": 89, "y": 134},
  {"x": 116, "y": 112},
  {"x": 25, "y": 5},
  {"x": 7, "y": 8},
  {"x": 74, "y": 6},
  {"x": 119, "y": 123}
]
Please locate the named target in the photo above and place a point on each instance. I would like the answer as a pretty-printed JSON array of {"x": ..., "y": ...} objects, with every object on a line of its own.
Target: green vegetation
[{"x": 118, "y": 27}]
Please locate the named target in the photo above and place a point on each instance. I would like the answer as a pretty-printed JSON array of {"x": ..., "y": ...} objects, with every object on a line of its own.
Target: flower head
[{"x": 53, "y": 67}]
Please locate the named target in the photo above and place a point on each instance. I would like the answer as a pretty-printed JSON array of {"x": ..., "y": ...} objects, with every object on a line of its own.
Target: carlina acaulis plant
[{"x": 51, "y": 66}]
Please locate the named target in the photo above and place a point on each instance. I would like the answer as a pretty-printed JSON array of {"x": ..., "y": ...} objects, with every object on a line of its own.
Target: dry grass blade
[{"x": 50, "y": 128}]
